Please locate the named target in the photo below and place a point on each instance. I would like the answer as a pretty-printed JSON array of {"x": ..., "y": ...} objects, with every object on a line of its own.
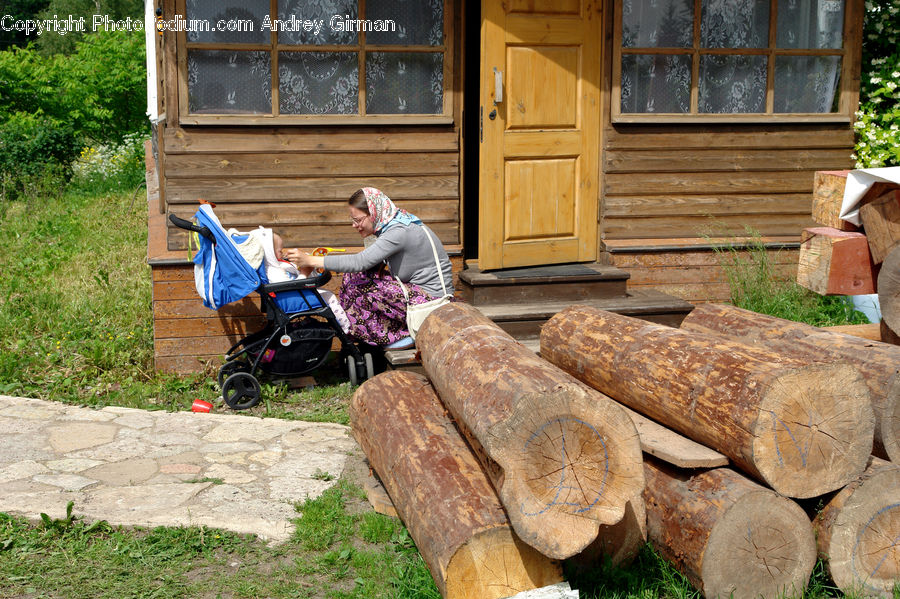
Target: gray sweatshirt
[{"x": 408, "y": 252}]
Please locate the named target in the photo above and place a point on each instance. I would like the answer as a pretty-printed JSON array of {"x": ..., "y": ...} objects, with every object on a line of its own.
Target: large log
[
  {"x": 441, "y": 493},
  {"x": 730, "y": 536},
  {"x": 563, "y": 458},
  {"x": 802, "y": 429},
  {"x": 889, "y": 290},
  {"x": 879, "y": 363},
  {"x": 858, "y": 532}
]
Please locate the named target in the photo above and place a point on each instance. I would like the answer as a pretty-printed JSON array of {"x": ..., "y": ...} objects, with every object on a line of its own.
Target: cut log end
[
  {"x": 758, "y": 549},
  {"x": 862, "y": 540},
  {"x": 815, "y": 429},
  {"x": 889, "y": 289},
  {"x": 577, "y": 465},
  {"x": 495, "y": 563}
]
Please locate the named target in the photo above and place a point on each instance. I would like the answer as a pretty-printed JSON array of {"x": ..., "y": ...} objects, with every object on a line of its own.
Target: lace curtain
[
  {"x": 732, "y": 83},
  {"x": 312, "y": 83}
]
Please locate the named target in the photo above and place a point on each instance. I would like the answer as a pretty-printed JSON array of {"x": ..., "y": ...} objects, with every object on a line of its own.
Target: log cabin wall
[
  {"x": 672, "y": 188},
  {"x": 295, "y": 179}
]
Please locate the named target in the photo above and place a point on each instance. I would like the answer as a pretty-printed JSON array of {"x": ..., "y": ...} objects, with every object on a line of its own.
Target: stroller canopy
[{"x": 221, "y": 273}]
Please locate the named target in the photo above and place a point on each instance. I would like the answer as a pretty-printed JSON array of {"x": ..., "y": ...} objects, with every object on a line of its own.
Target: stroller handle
[{"x": 186, "y": 224}]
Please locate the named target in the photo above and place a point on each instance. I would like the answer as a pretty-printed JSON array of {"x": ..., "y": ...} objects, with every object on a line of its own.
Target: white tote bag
[{"x": 416, "y": 315}]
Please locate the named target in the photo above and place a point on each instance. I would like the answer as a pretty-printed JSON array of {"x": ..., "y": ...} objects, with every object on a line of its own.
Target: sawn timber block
[
  {"x": 881, "y": 223},
  {"x": 834, "y": 262},
  {"x": 828, "y": 194}
]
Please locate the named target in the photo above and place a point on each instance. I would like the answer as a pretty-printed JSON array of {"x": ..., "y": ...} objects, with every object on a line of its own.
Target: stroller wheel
[
  {"x": 370, "y": 366},
  {"x": 351, "y": 370},
  {"x": 241, "y": 391},
  {"x": 232, "y": 367}
]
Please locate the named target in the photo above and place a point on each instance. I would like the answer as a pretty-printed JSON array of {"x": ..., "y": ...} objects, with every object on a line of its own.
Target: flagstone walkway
[{"x": 153, "y": 468}]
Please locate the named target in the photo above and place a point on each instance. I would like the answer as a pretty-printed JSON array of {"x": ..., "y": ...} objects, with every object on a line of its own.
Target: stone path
[{"x": 135, "y": 467}]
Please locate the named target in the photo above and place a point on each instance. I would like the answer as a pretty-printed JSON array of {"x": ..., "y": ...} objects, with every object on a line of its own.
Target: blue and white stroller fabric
[{"x": 221, "y": 273}]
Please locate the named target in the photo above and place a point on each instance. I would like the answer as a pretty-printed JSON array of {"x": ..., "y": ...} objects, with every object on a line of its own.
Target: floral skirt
[{"x": 375, "y": 306}]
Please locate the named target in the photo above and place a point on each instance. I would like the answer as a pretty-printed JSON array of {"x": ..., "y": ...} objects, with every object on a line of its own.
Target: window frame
[
  {"x": 848, "y": 86},
  {"x": 185, "y": 117}
]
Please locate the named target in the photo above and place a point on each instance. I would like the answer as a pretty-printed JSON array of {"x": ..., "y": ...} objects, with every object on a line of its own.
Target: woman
[{"x": 373, "y": 300}]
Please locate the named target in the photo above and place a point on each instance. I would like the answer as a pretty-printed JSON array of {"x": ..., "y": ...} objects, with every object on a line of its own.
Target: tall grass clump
[{"x": 756, "y": 286}]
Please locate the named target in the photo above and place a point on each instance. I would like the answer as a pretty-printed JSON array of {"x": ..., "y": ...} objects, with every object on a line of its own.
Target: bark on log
[
  {"x": 802, "y": 429},
  {"x": 858, "y": 532},
  {"x": 564, "y": 458},
  {"x": 889, "y": 290},
  {"x": 441, "y": 492},
  {"x": 730, "y": 536},
  {"x": 879, "y": 363}
]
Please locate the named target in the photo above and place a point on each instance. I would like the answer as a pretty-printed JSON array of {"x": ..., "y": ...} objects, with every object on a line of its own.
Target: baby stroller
[{"x": 300, "y": 325}]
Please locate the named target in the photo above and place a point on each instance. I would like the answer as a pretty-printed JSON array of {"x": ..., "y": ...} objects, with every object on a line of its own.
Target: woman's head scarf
[{"x": 384, "y": 212}]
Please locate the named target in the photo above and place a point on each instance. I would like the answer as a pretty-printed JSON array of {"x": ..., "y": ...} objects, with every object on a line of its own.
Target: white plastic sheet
[{"x": 858, "y": 183}]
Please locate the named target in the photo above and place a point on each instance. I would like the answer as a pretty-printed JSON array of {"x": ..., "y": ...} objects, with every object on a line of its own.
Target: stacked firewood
[
  {"x": 502, "y": 463},
  {"x": 840, "y": 258}
]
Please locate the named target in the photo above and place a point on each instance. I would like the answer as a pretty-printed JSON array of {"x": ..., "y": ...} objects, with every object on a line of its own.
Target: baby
[{"x": 279, "y": 270}]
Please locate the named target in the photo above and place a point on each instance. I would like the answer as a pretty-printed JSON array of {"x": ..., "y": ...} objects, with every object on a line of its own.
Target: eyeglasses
[{"x": 358, "y": 220}]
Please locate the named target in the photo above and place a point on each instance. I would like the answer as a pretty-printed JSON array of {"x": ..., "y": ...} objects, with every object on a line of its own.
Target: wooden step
[{"x": 557, "y": 283}]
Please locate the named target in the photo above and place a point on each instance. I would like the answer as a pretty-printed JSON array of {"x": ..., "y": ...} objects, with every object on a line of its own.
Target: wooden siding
[
  {"x": 297, "y": 181},
  {"x": 680, "y": 181},
  {"x": 694, "y": 275}
]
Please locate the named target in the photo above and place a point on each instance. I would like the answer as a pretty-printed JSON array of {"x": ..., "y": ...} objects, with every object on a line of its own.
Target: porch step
[
  {"x": 557, "y": 283},
  {"x": 524, "y": 320}
]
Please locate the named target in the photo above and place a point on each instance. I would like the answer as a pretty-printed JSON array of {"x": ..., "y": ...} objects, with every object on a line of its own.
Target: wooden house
[{"x": 636, "y": 134}]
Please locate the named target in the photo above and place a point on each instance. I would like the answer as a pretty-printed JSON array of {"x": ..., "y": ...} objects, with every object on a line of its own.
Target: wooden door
[{"x": 538, "y": 179}]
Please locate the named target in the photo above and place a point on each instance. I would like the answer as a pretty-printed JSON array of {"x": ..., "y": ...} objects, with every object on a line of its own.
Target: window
[
  {"x": 730, "y": 60},
  {"x": 316, "y": 61}
]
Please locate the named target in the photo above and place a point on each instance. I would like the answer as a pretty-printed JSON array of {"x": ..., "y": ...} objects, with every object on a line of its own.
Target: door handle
[
  {"x": 498, "y": 86},
  {"x": 492, "y": 114}
]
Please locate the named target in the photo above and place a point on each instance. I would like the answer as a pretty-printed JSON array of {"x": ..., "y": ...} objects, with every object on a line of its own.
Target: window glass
[
  {"x": 734, "y": 24},
  {"x": 222, "y": 81},
  {"x": 229, "y": 22},
  {"x": 810, "y": 24},
  {"x": 656, "y": 83},
  {"x": 321, "y": 13},
  {"x": 419, "y": 23},
  {"x": 404, "y": 83},
  {"x": 732, "y": 84},
  {"x": 318, "y": 82},
  {"x": 807, "y": 83},
  {"x": 657, "y": 23}
]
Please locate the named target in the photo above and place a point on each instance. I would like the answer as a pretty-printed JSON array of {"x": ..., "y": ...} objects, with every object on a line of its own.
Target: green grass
[
  {"x": 755, "y": 286},
  {"x": 337, "y": 551}
]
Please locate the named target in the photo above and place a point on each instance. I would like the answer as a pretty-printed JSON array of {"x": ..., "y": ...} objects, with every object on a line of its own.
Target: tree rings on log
[
  {"x": 803, "y": 429},
  {"x": 564, "y": 458},
  {"x": 878, "y": 363},
  {"x": 728, "y": 535},
  {"x": 441, "y": 492},
  {"x": 859, "y": 532}
]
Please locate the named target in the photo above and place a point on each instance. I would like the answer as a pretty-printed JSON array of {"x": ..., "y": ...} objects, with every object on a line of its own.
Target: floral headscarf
[{"x": 384, "y": 212}]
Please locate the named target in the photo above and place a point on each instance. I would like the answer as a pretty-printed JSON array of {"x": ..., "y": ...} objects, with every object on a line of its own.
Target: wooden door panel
[
  {"x": 558, "y": 7},
  {"x": 542, "y": 87},
  {"x": 539, "y": 197}
]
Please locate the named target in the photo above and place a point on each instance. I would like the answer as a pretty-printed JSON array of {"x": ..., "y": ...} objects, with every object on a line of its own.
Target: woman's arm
[{"x": 303, "y": 260}]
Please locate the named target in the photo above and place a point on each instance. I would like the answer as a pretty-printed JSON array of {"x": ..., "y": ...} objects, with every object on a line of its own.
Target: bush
[
  {"x": 878, "y": 120},
  {"x": 108, "y": 167},
  {"x": 33, "y": 153}
]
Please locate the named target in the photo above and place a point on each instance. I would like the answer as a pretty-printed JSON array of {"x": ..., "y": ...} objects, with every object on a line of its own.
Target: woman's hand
[{"x": 303, "y": 260}]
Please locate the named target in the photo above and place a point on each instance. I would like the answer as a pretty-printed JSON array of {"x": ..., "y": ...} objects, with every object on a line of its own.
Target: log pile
[
  {"x": 840, "y": 258},
  {"x": 879, "y": 363},
  {"x": 502, "y": 463}
]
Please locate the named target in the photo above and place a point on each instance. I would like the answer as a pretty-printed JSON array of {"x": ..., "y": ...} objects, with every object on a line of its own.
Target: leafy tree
[
  {"x": 19, "y": 10},
  {"x": 65, "y": 44}
]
